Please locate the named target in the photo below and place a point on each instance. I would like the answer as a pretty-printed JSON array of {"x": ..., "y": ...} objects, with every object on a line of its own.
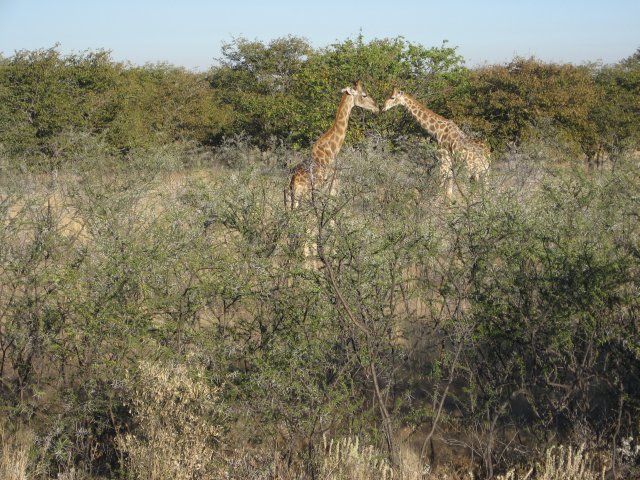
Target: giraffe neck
[
  {"x": 436, "y": 125},
  {"x": 326, "y": 148}
]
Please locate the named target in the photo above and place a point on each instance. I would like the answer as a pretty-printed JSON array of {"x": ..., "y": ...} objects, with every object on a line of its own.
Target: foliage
[
  {"x": 46, "y": 96},
  {"x": 515, "y": 99},
  {"x": 140, "y": 298},
  {"x": 288, "y": 90},
  {"x": 544, "y": 309},
  {"x": 380, "y": 64},
  {"x": 256, "y": 81},
  {"x": 50, "y": 101},
  {"x": 591, "y": 106},
  {"x": 511, "y": 308},
  {"x": 54, "y": 107},
  {"x": 616, "y": 116},
  {"x": 161, "y": 104}
]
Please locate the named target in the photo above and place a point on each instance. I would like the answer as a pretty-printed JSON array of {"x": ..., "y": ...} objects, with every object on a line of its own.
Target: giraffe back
[{"x": 473, "y": 152}]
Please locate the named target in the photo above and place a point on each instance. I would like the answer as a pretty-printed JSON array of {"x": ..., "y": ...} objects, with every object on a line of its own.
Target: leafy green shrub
[
  {"x": 46, "y": 96},
  {"x": 615, "y": 116},
  {"x": 288, "y": 90},
  {"x": 51, "y": 103},
  {"x": 513, "y": 99},
  {"x": 548, "y": 287},
  {"x": 161, "y": 104}
]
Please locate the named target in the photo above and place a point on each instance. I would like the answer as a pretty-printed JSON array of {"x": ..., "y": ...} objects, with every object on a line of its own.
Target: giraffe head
[
  {"x": 396, "y": 98},
  {"x": 360, "y": 97}
]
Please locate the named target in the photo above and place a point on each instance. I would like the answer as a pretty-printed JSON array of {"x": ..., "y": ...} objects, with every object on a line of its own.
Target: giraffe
[
  {"x": 315, "y": 171},
  {"x": 453, "y": 143}
]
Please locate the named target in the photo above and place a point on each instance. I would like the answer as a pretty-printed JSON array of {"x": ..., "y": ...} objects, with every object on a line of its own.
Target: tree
[
  {"x": 381, "y": 64},
  {"x": 53, "y": 106},
  {"x": 288, "y": 90},
  {"x": 161, "y": 104},
  {"x": 617, "y": 114},
  {"x": 255, "y": 80},
  {"x": 515, "y": 100},
  {"x": 45, "y": 96}
]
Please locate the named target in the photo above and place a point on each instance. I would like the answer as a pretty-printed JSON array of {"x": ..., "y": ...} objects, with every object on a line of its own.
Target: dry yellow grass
[
  {"x": 14, "y": 454},
  {"x": 347, "y": 459},
  {"x": 175, "y": 432},
  {"x": 561, "y": 463}
]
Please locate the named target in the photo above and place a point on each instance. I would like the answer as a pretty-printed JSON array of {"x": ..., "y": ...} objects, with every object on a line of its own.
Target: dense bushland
[
  {"x": 148, "y": 307},
  {"x": 158, "y": 318}
]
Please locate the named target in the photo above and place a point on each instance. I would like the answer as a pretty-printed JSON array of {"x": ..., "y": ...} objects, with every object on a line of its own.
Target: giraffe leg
[
  {"x": 297, "y": 191},
  {"x": 308, "y": 246},
  {"x": 334, "y": 182},
  {"x": 473, "y": 167},
  {"x": 478, "y": 166},
  {"x": 446, "y": 172},
  {"x": 308, "y": 242}
]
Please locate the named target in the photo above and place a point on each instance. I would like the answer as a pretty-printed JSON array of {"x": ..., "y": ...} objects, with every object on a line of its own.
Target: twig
[{"x": 442, "y": 399}]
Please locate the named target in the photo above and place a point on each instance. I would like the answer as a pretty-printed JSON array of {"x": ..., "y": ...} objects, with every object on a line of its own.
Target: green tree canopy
[
  {"x": 511, "y": 101},
  {"x": 287, "y": 89},
  {"x": 617, "y": 114}
]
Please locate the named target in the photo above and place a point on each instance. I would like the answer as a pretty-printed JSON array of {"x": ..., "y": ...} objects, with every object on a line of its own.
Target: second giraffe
[{"x": 453, "y": 143}]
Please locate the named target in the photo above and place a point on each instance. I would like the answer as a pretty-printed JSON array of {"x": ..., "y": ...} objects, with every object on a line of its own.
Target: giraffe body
[
  {"x": 453, "y": 143},
  {"x": 320, "y": 168}
]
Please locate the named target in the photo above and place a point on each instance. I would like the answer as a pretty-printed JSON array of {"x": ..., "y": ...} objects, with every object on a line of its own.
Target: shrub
[
  {"x": 510, "y": 101},
  {"x": 50, "y": 101},
  {"x": 484, "y": 328},
  {"x": 616, "y": 115}
]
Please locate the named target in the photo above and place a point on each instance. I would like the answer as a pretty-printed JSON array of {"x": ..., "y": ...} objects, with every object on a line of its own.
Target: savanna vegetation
[{"x": 158, "y": 319}]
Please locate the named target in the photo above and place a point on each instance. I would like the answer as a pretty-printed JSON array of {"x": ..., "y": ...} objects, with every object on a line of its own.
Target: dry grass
[
  {"x": 174, "y": 410},
  {"x": 347, "y": 459},
  {"x": 14, "y": 455},
  {"x": 568, "y": 463},
  {"x": 562, "y": 463}
]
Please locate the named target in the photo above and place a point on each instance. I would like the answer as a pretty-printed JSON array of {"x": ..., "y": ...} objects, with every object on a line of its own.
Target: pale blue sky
[{"x": 191, "y": 32}]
